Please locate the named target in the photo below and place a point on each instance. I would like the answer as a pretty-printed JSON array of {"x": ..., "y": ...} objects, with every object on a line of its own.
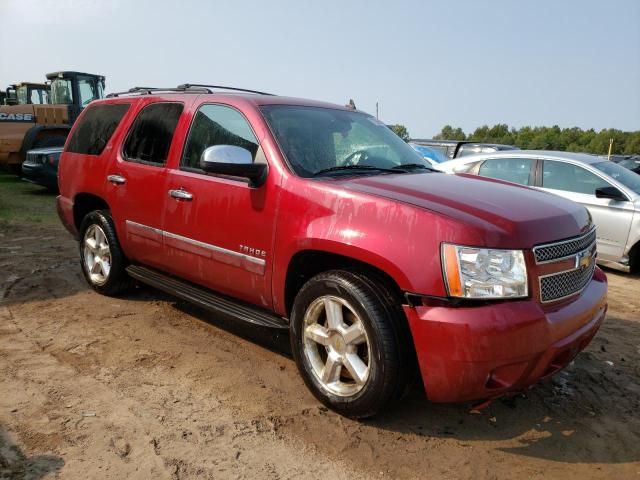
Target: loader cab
[
  {"x": 32, "y": 93},
  {"x": 75, "y": 89}
]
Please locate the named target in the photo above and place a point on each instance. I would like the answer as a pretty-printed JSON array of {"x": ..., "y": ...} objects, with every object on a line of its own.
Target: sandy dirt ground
[{"x": 145, "y": 386}]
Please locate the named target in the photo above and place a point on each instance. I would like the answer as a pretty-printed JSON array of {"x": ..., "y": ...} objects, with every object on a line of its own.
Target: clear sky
[{"x": 428, "y": 63}]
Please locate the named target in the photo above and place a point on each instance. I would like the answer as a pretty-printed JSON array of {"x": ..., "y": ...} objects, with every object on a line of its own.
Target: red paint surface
[{"x": 395, "y": 223}]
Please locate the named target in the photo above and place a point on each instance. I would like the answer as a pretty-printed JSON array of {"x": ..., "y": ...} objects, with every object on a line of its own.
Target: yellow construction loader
[{"x": 24, "y": 126}]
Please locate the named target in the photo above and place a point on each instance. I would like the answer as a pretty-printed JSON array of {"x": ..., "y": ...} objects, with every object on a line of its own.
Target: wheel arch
[
  {"x": 39, "y": 131},
  {"x": 305, "y": 264},
  {"x": 85, "y": 203},
  {"x": 634, "y": 258}
]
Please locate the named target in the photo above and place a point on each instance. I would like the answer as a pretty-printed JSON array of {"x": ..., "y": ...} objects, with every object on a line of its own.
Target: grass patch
[{"x": 23, "y": 203}]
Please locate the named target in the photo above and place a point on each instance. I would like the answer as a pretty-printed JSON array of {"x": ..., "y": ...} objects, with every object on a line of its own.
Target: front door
[
  {"x": 218, "y": 231},
  {"x": 611, "y": 217}
]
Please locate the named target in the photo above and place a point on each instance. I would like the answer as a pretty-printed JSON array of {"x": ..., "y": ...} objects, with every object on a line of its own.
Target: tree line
[{"x": 550, "y": 138}]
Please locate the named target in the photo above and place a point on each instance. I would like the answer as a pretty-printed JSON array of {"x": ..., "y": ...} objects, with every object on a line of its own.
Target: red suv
[{"x": 316, "y": 218}]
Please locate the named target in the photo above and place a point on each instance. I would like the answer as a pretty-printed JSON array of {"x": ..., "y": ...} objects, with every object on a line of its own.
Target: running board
[{"x": 207, "y": 299}]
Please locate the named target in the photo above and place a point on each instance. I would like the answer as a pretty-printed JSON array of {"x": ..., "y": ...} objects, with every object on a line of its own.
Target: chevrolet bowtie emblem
[{"x": 583, "y": 259}]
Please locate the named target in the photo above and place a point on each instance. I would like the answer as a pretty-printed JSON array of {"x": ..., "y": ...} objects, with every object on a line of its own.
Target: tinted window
[
  {"x": 514, "y": 170},
  {"x": 96, "y": 127},
  {"x": 626, "y": 177},
  {"x": 217, "y": 125},
  {"x": 571, "y": 178},
  {"x": 150, "y": 136}
]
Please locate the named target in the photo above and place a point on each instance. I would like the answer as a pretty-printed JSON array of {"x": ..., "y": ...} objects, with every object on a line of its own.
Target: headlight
[{"x": 483, "y": 273}]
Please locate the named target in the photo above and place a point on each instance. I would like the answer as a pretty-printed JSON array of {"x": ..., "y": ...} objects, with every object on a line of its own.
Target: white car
[{"x": 610, "y": 192}]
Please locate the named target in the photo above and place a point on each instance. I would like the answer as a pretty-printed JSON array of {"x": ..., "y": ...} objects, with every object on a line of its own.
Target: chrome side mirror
[{"x": 233, "y": 161}]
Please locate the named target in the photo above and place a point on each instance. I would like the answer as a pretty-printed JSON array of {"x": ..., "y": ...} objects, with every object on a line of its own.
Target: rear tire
[
  {"x": 634, "y": 259},
  {"x": 348, "y": 343},
  {"x": 102, "y": 260}
]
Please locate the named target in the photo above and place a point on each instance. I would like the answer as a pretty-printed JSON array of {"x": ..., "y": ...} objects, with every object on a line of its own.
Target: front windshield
[
  {"x": 626, "y": 177},
  {"x": 315, "y": 139},
  {"x": 61, "y": 92}
]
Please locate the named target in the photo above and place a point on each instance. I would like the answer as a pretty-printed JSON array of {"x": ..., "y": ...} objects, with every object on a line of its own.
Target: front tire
[
  {"x": 103, "y": 262},
  {"x": 347, "y": 343}
]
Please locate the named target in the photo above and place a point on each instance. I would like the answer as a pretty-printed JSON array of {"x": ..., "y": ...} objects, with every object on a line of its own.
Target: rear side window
[
  {"x": 96, "y": 127},
  {"x": 514, "y": 170},
  {"x": 150, "y": 136}
]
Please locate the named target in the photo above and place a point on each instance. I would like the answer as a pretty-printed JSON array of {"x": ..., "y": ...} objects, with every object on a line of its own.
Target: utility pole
[
  {"x": 610, "y": 147},
  {"x": 377, "y": 111}
]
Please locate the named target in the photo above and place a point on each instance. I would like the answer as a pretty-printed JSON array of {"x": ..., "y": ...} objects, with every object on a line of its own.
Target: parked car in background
[
  {"x": 455, "y": 149},
  {"x": 610, "y": 192},
  {"x": 632, "y": 162},
  {"x": 432, "y": 155},
  {"x": 41, "y": 167},
  {"x": 317, "y": 219}
]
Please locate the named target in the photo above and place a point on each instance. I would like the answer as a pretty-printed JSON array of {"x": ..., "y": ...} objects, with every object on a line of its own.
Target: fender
[{"x": 32, "y": 134}]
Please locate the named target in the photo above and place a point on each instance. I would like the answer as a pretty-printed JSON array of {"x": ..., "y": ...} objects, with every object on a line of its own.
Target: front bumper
[
  {"x": 483, "y": 352},
  {"x": 40, "y": 175}
]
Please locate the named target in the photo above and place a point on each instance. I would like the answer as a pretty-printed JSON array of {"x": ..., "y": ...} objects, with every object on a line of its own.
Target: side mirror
[
  {"x": 611, "y": 192},
  {"x": 233, "y": 161}
]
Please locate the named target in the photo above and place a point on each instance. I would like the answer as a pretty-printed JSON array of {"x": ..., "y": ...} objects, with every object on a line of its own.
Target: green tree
[
  {"x": 571, "y": 139},
  {"x": 401, "y": 131},
  {"x": 450, "y": 133}
]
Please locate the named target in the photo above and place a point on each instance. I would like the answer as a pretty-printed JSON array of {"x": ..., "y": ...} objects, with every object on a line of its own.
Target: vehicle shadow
[
  {"x": 15, "y": 464},
  {"x": 274, "y": 340},
  {"x": 570, "y": 418}
]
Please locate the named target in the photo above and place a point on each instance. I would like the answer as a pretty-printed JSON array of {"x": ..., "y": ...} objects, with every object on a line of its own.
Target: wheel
[
  {"x": 347, "y": 342},
  {"x": 103, "y": 262}
]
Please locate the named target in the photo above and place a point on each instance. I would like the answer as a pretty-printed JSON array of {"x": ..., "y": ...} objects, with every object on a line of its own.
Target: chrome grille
[
  {"x": 564, "y": 284},
  {"x": 565, "y": 248},
  {"x": 33, "y": 159}
]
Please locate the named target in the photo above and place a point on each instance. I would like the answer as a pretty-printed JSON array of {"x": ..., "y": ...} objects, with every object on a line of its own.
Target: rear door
[
  {"x": 512, "y": 169},
  {"x": 136, "y": 180},
  {"x": 611, "y": 217}
]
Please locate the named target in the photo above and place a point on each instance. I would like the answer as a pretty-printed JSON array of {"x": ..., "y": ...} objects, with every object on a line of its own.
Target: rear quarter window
[{"x": 96, "y": 127}]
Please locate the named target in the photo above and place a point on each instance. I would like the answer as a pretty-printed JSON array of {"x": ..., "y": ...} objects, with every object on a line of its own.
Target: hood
[{"x": 509, "y": 214}]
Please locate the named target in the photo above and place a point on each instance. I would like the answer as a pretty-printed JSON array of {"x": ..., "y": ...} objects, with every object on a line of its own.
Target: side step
[{"x": 207, "y": 299}]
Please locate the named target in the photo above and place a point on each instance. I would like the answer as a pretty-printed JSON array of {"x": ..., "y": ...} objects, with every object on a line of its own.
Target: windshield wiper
[
  {"x": 356, "y": 167},
  {"x": 412, "y": 166}
]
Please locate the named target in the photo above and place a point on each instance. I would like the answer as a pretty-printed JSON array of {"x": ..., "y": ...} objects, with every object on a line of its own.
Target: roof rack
[
  {"x": 184, "y": 88},
  {"x": 221, "y": 87},
  {"x": 150, "y": 90}
]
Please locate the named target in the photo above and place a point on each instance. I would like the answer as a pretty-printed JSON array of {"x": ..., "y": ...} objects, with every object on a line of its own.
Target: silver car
[{"x": 610, "y": 192}]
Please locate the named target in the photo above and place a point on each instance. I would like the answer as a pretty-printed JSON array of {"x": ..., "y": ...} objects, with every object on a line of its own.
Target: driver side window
[
  {"x": 217, "y": 125},
  {"x": 571, "y": 178}
]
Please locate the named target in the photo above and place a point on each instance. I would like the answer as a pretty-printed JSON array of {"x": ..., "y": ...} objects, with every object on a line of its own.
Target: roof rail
[
  {"x": 150, "y": 90},
  {"x": 184, "y": 88},
  {"x": 221, "y": 87}
]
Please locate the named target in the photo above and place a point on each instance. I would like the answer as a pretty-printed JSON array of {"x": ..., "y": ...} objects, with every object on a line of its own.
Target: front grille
[
  {"x": 564, "y": 284},
  {"x": 33, "y": 159},
  {"x": 565, "y": 248}
]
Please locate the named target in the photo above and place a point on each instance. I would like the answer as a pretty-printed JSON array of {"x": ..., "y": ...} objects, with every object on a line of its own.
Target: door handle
[
  {"x": 181, "y": 194},
  {"x": 117, "y": 179}
]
